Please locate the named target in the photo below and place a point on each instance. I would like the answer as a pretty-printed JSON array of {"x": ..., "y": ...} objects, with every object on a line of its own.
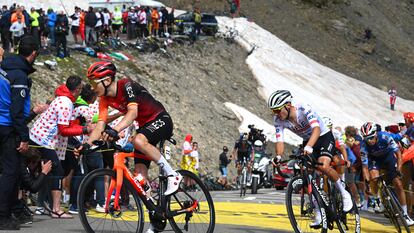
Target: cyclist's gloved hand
[{"x": 308, "y": 150}]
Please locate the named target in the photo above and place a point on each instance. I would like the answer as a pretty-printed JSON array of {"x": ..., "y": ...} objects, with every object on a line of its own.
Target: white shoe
[
  {"x": 100, "y": 209},
  {"x": 150, "y": 229},
  {"x": 409, "y": 221},
  {"x": 317, "y": 221},
  {"x": 40, "y": 211},
  {"x": 347, "y": 201},
  {"x": 173, "y": 184}
]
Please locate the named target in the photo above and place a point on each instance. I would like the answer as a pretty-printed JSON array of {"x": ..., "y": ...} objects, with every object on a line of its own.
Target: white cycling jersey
[
  {"x": 338, "y": 137},
  {"x": 306, "y": 119}
]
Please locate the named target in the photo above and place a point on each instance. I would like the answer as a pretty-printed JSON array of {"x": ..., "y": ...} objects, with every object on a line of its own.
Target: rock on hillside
[
  {"x": 193, "y": 86},
  {"x": 332, "y": 32}
]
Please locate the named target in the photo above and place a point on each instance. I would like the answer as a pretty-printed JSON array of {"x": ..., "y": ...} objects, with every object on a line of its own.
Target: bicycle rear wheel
[
  {"x": 202, "y": 218},
  {"x": 124, "y": 220},
  {"x": 300, "y": 208}
]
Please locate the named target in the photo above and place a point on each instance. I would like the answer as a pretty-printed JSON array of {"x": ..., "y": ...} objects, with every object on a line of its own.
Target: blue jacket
[
  {"x": 51, "y": 19},
  {"x": 15, "y": 96}
]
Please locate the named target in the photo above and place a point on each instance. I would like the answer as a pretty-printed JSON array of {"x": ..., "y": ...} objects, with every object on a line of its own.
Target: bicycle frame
[{"x": 122, "y": 171}]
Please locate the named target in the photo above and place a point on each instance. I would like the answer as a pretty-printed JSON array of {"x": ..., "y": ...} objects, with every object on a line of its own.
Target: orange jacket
[
  {"x": 14, "y": 17},
  {"x": 154, "y": 15}
]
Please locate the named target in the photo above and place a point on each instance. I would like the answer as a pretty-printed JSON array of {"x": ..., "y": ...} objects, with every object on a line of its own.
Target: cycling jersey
[
  {"x": 410, "y": 133},
  {"x": 306, "y": 119},
  {"x": 338, "y": 137},
  {"x": 385, "y": 145},
  {"x": 131, "y": 93}
]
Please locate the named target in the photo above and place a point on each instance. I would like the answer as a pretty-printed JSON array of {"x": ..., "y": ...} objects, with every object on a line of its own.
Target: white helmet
[
  {"x": 368, "y": 129},
  {"x": 279, "y": 98},
  {"x": 258, "y": 143},
  {"x": 327, "y": 122}
]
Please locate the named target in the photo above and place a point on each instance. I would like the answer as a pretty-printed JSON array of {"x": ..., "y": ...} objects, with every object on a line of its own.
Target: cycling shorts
[
  {"x": 241, "y": 156},
  {"x": 324, "y": 146},
  {"x": 388, "y": 163},
  {"x": 161, "y": 128}
]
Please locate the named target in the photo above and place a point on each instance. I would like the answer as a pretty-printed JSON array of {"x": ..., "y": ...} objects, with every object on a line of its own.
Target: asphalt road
[{"x": 260, "y": 213}]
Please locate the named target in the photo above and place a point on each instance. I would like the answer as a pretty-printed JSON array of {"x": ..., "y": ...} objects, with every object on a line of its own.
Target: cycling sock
[
  {"x": 340, "y": 187},
  {"x": 342, "y": 177},
  {"x": 404, "y": 207},
  {"x": 165, "y": 166}
]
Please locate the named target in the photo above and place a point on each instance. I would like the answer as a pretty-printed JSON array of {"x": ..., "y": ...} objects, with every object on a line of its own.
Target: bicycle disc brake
[{"x": 157, "y": 223}]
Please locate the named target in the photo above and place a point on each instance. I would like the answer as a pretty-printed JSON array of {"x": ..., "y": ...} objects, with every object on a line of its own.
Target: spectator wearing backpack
[{"x": 223, "y": 162}]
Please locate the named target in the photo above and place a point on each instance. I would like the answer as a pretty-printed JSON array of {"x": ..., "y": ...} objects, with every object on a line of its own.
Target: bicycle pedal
[{"x": 316, "y": 226}]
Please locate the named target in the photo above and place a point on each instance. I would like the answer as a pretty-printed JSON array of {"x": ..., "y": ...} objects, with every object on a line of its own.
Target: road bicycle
[
  {"x": 243, "y": 177},
  {"x": 303, "y": 191},
  {"x": 190, "y": 209},
  {"x": 392, "y": 207}
]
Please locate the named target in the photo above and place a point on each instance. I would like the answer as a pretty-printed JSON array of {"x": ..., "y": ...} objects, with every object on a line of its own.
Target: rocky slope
[{"x": 332, "y": 32}]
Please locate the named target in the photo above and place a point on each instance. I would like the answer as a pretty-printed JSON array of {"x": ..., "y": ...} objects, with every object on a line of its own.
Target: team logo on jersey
[{"x": 23, "y": 93}]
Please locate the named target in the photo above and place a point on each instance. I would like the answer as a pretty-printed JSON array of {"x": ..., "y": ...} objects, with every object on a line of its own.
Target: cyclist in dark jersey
[{"x": 132, "y": 99}]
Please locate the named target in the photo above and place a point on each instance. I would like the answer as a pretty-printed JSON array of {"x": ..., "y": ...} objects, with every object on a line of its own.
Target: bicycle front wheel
[
  {"x": 347, "y": 222},
  {"x": 300, "y": 207},
  {"x": 191, "y": 191},
  {"x": 130, "y": 218},
  {"x": 399, "y": 212}
]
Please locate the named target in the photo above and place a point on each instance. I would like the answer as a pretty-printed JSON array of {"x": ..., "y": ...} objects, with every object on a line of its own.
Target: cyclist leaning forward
[
  {"x": 132, "y": 99},
  {"x": 318, "y": 140},
  {"x": 381, "y": 152}
]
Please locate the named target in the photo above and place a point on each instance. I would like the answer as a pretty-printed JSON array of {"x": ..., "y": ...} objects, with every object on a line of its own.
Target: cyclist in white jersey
[{"x": 318, "y": 140}]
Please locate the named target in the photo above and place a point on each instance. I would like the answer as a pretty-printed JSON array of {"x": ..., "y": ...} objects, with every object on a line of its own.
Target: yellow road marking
[{"x": 271, "y": 216}]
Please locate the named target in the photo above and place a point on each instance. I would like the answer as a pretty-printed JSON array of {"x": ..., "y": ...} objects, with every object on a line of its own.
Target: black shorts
[
  {"x": 116, "y": 27},
  {"x": 324, "y": 146},
  {"x": 241, "y": 156},
  {"x": 161, "y": 128},
  {"x": 74, "y": 30}
]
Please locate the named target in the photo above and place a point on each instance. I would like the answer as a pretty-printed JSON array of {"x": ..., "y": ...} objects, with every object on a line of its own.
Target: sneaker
[
  {"x": 409, "y": 221},
  {"x": 173, "y": 184},
  {"x": 66, "y": 59},
  {"x": 347, "y": 201},
  {"x": 9, "y": 224},
  {"x": 73, "y": 209},
  {"x": 40, "y": 211},
  {"x": 100, "y": 209},
  {"x": 23, "y": 218},
  {"x": 58, "y": 59},
  {"x": 379, "y": 207}
]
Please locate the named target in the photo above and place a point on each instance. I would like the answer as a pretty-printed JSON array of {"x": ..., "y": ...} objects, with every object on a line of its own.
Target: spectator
[
  {"x": 164, "y": 21},
  {"x": 53, "y": 142},
  {"x": 224, "y": 161},
  {"x": 187, "y": 148},
  {"x": 90, "y": 23},
  {"x": 82, "y": 27},
  {"x": 42, "y": 21},
  {"x": 393, "y": 96},
  {"x": 195, "y": 158},
  {"x": 142, "y": 18},
  {"x": 117, "y": 22},
  {"x": 75, "y": 24},
  {"x": 51, "y": 22},
  {"x": 170, "y": 21},
  {"x": 5, "y": 23},
  {"x": 99, "y": 24},
  {"x": 197, "y": 21},
  {"x": 14, "y": 133},
  {"x": 132, "y": 24},
  {"x": 155, "y": 25},
  {"x": 17, "y": 30},
  {"x": 106, "y": 31},
  {"x": 34, "y": 26},
  {"x": 61, "y": 31},
  {"x": 160, "y": 26}
]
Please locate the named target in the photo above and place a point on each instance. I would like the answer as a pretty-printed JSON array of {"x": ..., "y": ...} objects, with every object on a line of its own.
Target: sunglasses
[
  {"x": 277, "y": 110},
  {"x": 95, "y": 82},
  {"x": 370, "y": 138}
]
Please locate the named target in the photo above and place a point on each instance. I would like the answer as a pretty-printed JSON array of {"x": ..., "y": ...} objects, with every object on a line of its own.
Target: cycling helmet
[
  {"x": 409, "y": 116},
  {"x": 101, "y": 69},
  {"x": 327, "y": 121},
  {"x": 258, "y": 143},
  {"x": 368, "y": 129},
  {"x": 279, "y": 98}
]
